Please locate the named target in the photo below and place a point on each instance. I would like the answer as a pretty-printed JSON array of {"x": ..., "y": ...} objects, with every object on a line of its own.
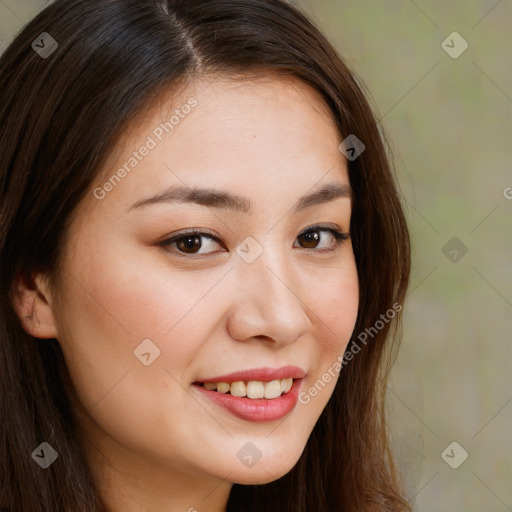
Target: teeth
[
  {"x": 255, "y": 389},
  {"x": 222, "y": 387},
  {"x": 286, "y": 385},
  {"x": 252, "y": 389},
  {"x": 238, "y": 388},
  {"x": 273, "y": 389}
]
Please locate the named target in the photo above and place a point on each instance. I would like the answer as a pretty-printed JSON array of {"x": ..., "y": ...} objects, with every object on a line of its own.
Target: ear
[{"x": 32, "y": 302}]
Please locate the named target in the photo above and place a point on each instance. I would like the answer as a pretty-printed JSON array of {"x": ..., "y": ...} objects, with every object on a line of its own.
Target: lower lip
[{"x": 257, "y": 410}]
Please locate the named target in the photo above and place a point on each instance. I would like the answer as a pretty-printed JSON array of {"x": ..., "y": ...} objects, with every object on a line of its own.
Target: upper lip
[{"x": 261, "y": 374}]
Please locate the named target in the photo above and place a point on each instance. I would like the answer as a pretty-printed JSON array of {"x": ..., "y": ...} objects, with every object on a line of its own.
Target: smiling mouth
[{"x": 253, "y": 389}]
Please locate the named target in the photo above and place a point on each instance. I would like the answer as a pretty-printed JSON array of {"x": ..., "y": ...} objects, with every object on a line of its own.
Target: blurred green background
[{"x": 448, "y": 114}]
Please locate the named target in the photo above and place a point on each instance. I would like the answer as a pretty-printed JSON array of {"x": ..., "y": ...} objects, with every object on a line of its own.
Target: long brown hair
[{"x": 61, "y": 116}]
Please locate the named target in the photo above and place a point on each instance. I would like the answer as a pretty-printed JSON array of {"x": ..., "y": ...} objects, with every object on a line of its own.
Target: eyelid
[
  {"x": 191, "y": 231},
  {"x": 324, "y": 226},
  {"x": 205, "y": 231}
]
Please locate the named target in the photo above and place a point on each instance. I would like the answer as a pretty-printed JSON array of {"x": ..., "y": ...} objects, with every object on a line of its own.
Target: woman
[{"x": 203, "y": 253}]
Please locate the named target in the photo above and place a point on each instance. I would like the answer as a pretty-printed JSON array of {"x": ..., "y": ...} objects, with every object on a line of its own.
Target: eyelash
[{"x": 339, "y": 238}]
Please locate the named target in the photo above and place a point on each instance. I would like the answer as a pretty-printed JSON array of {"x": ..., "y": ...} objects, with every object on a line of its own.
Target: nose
[{"x": 266, "y": 301}]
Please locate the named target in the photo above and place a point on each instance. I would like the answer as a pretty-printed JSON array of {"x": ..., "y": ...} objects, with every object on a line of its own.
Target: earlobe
[{"x": 32, "y": 302}]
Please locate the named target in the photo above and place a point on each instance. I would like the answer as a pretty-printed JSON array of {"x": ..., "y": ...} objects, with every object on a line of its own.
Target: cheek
[
  {"x": 336, "y": 307},
  {"x": 336, "y": 303},
  {"x": 134, "y": 293},
  {"x": 111, "y": 304},
  {"x": 341, "y": 307},
  {"x": 104, "y": 317}
]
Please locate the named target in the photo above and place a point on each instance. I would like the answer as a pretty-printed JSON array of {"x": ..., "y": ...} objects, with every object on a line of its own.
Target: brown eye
[
  {"x": 311, "y": 238},
  {"x": 200, "y": 243},
  {"x": 191, "y": 243}
]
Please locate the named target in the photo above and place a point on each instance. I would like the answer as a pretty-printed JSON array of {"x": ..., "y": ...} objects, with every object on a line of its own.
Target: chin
[{"x": 263, "y": 472}]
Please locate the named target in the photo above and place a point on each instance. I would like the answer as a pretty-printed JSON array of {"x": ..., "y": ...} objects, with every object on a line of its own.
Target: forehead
[
  {"x": 257, "y": 134},
  {"x": 251, "y": 102}
]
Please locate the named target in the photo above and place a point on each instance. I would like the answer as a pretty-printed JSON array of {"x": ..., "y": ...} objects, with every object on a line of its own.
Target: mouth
[
  {"x": 259, "y": 395},
  {"x": 253, "y": 389}
]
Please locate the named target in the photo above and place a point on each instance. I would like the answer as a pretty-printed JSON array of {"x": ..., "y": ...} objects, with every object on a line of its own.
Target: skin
[{"x": 152, "y": 441}]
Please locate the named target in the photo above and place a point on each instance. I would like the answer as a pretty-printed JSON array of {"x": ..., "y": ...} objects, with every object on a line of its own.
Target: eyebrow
[{"x": 228, "y": 201}]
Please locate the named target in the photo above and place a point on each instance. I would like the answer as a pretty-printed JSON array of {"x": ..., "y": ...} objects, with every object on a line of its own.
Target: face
[{"x": 163, "y": 290}]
